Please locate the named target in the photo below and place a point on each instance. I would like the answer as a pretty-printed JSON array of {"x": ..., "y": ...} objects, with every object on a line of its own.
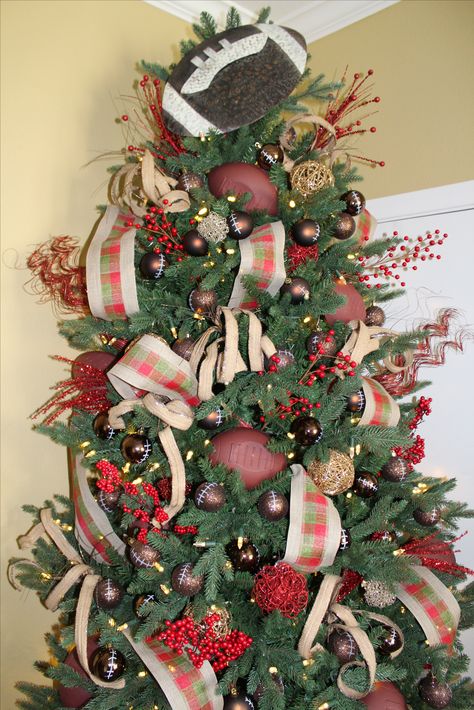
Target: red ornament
[
  {"x": 239, "y": 178},
  {"x": 436, "y": 554},
  {"x": 300, "y": 255},
  {"x": 385, "y": 696},
  {"x": 77, "y": 697},
  {"x": 280, "y": 588},
  {"x": 352, "y": 309}
]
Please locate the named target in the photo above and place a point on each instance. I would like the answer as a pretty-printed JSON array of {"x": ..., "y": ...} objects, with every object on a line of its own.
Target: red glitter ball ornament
[{"x": 280, "y": 588}]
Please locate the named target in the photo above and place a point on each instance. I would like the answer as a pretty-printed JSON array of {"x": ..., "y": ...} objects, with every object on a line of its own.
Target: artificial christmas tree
[{"x": 245, "y": 510}]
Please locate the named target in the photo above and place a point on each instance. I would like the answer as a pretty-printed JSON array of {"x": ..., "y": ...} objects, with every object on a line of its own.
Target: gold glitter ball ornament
[
  {"x": 310, "y": 177},
  {"x": 334, "y": 476},
  {"x": 213, "y": 228}
]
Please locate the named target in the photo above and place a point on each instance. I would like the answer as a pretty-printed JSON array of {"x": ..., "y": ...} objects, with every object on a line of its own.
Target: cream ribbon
[{"x": 366, "y": 339}]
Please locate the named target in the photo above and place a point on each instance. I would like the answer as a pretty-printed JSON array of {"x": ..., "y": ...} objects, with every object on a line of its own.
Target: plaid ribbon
[
  {"x": 185, "y": 687},
  {"x": 150, "y": 365},
  {"x": 110, "y": 268},
  {"x": 380, "y": 409},
  {"x": 315, "y": 527},
  {"x": 365, "y": 226},
  {"x": 432, "y": 605},
  {"x": 261, "y": 255},
  {"x": 92, "y": 529}
]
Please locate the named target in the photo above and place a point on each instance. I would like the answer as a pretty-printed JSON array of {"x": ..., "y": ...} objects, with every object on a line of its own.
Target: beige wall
[{"x": 64, "y": 64}]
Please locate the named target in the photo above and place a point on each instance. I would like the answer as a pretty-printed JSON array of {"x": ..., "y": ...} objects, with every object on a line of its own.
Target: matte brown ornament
[
  {"x": 272, "y": 506},
  {"x": 210, "y": 496},
  {"x": 356, "y": 402},
  {"x": 238, "y": 702},
  {"x": 305, "y": 232},
  {"x": 344, "y": 227},
  {"x": 152, "y": 266},
  {"x": 143, "y": 603},
  {"x": 102, "y": 428},
  {"x": 202, "y": 302},
  {"x": 307, "y": 430},
  {"x": 108, "y": 594},
  {"x": 352, "y": 309},
  {"x": 190, "y": 181},
  {"x": 355, "y": 202},
  {"x": 384, "y": 696},
  {"x": 77, "y": 697},
  {"x": 270, "y": 154},
  {"x": 240, "y": 224},
  {"x": 319, "y": 340},
  {"x": 212, "y": 421},
  {"x": 243, "y": 554},
  {"x": 333, "y": 476},
  {"x": 427, "y": 517},
  {"x": 436, "y": 695},
  {"x": 298, "y": 288},
  {"x": 108, "y": 501},
  {"x": 183, "y": 347},
  {"x": 343, "y": 645},
  {"x": 346, "y": 540},
  {"x": 365, "y": 485},
  {"x": 108, "y": 664},
  {"x": 194, "y": 243},
  {"x": 135, "y": 448},
  {"x": 395, "y": 470},
  {"x": 375, "y": 316},
  {"x": 390, "y": 642},
  {"x": 236, "y": 179},
  {"x": 183, "y": 582},
  {"x": 143, "y": 556}
]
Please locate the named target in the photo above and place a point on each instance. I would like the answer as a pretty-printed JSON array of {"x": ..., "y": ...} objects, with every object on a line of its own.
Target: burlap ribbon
[
  {"x": 174, "y": 414},
  {"x": 136, "y": 183},
  {"x": 316, "y": 121},
  {"x": 365, "y": 339}
]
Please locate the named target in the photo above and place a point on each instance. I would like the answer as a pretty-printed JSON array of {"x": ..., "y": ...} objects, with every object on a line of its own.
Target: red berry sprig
[
  {"x": 416, "y": 453},
  {"x": 146, "y": 506},
  {"x": 111, "y": 476}
]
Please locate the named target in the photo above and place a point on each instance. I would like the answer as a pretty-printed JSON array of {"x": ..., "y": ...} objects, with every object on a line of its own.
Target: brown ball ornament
[
  {"x": 343, "y": 645},
  {"x": 433, "y": 693},
  {"x": 184, "y": 347},
  {"x": 390, "y": 642},
  {"x": 269, "y": 155},
  {"x": 202, "y": 302},
  {"x": 238, "y": 702},
  {"x": 375, "y": 316},
  {"x": 395, "y": 470},
  {"x": 259, "y": 690},
  {"x": 243, "y": 554},
  {"x": 352, "y": 309},
  {"x": 284, "y": 358},
  {"x": 108, "y": 501},
  {"x": 108, "y": 594},
  {"x": 427, "y": 517},
  {"x": 77, "y": 697},
  {"x": 240, "y": 225},
  {"x": 212, "y": 421},
  {"x": 298, "y": 289},
  {"x": 102, "y": 428},
  {"x": 152, "y": 266},
  {"x": 333, "y": 476},
  {"x": 143, "y": 556},
  {"x": 210, "y": 496},
  {"x": 307, "y": 430},
  {"x": 365, "y": 485},
  {"x": 194, "y": 244},
  {"x": 190, "y": 181},
  {"x": 184, "y": 582},
  {"x": 356, "y": 402},
  {"x": 94, "y": 358},
  {"x": 322, "y": 344},
  {"x": 346, "y": 540},
  {"x": 135, "y": 448},
  {"x": 272, "y": 506},
  {"x": 344, "y": 227},
  {"x": 305, "y": 232},
  {"x": 384, "y": 696},
  {"x": 355, "y": 202},
  {"x": 142, "y": 604},
  {"x": 108, "y": 664}
]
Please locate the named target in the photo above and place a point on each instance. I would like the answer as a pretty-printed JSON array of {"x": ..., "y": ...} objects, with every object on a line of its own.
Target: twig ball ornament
[
  {"x": 183, "y": 347},
  {"x": 383, "y": 696},
  {"x": 152, "y": 265},
  {"x": 142, "y": 604},
  {"x": 307, "y": 430},
  {"x": 238, "y": 702},
  {"x": 212, "y": 421},
  {"x": 333, "y": 476},
  {"x": 365, "y": 485},
  {"x": 375, "y": 316},
  {"x": 210, "y": 496},
  {"x": 344, "y": 226},
  {"x": 355, "y": 202},
  {"x": 280, "y": 588},
  {"x": 390, "y": 642},
  {"x": 108, "y": 664},
  {"x": 184, "y": 582},
  {"x": 343, "y": 645},
  {"x": 377, "y": 594},
  {"x": 77, "y": 697},
  {"x": 433, "y": 693},
  {"x": 243, "y": 554},
  {"x": 298, "y": 289},
  {"x": 102, "y": 428},
  {"x": 310, "y": 177},
  {"x": 143, "y": 556},
  {"x": 202, "y": 302},
  {"x": 135, "y": 448},
  {"x": 346, "y": 540},
  {"x": 108, "y": 594},
  {"x": 395, "y": 470},
  {"x": 427, "y": 518},
  {"x": 356, "y": 402},
  {"x": 237, "y": 179},
  {"x": 108, "y": 500},
  {"x": 352, "y": 309},
  {"x": 322, "y": 344},
  {"x": 213, "y": 228},
  {"x": 269, "y": 155},
  {"x": 305, "y": 232},
  {"x": 194, "y": 243},
  {"x": 240, "y": 224},
  {"x": 190, "y": 181},
  {"x": 272, "y": 506}
]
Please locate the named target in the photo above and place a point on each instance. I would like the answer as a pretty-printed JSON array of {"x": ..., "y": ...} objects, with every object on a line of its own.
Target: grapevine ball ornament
[
  {"x": 310, "y": 177},
  {"x": 344, "y": 226},
  {"x": 435, "y": 694},
  {"x": 269, "y": 155},
  {"x": 108, "y": 500},
  {"x": 108, "y": 664},
  {"x": 343, "y": 645},
  {"x": 142, "y": 556},
  {"x": 210, "y": 496},
  {"x": 298, "y": 289},
  {"x": 77, "y": 697},
  {"x": 213, "y": 228},
  {"x": 352, "y": 309},
  {"x": 245, "y": 450},
  {"x": 184, "y": 582},
  {"x": 355, "y": 202},
  {"x": 190, "y": 181},
  {"x": 390, "y": 642},
  {"x": 239, "y": 701},
  {"x": 143, "y": 603},
  {"x": 212, "y": 421},
  {"x": 243, "y": 554},
  {"x": 427, "y": 518},
  {"x": 183, "y": 347},
  {"x": 356, "y": 402},
  {"x": 320, "y": 343},
  {"x": 395, "y": 470},
  {"x": 108, "y": 594},
  {"x": 236, "y": 179},
  {"x": 377, "y": 594},
  {"x": 375, "y": 316},
  {"x": 240, "y": 224},
  {"x": 102, "y": 428},
  {"x": 202, "y": 302},
  {"x": 365, "y": 485},
  {"x": 346, "y": 540},
  {"x": 136, "y": 448},
  {"x": 280, "y": 588},
  {"x": 272, "y": 506},
  {"x": 306, "y": 430},
  {"x": 333, "y": 476},
  {"x": 305, "y": 232},
  {"x": 194, "y": 243},
  {"x": 152, "y": 265},
  {"x": 384, "y": 696}
]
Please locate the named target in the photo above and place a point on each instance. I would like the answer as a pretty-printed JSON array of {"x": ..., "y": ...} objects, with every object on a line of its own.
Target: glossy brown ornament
[
  {"x": 272, "y": 506},
  {"x": 238, "y": 702},
  {"x": 320, "y": 341},
  {"x": 190, "y": 181},
  {"x": 142, "y": 604},
  {"x": 298, "y": 289},
  {"x": 239, "y": 178},
  {"x": 375, "y": 316},
  {"x": 212, "y": 421},
  {"x": 343, "y": 645},
  {"x": 102, "y": 428},
  {"x": 346, "y": 540},
  {"x": 183, "y": 582},
  {"x": 307, "y": 430},
  {"x": 270, "y": 154},
  {"x": 390, "y": 642},
  {"x": 108, "y": 664},
  {"x": 433, "y": 693},
  {"x": 344, "y": 226},
  {"x": 210, "y": 496},
  {"x": 77, "y": 697},
  {"x": 108, "y": 501},
  {"x": 152, "y": 266},
  {"x": 243, "y": 554},
  {"x": 183, "y": 347},
  {"x": 352, "y": 309},
  {"x": 135, "y": 448},
  {"x": 259, "y": 690},
  {"x": 94, "y": 358},
  {"x": 108, "y": 594},
  {"x": 355, "y": 202},
  {"x": 305, "y": 232},
  {"x": 143, "y": 556},
  {"x": 395, "y": 470},
  {"x": 240, "y": 224},
  {"x": 356, "y": 402},
  {"x": 384, "y": 696},
  {"x": 194, "y": 244},
  {"x": 427, "y": 517},
  {"x": 202, "y": 302},
  {"x": 365, "y": 485}
]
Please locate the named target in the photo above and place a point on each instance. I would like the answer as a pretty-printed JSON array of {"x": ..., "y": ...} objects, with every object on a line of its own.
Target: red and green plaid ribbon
[
  {"x": 92, "y": 529},
  {"x": 365, "y": 226},
  {"x": 185, "y": 687},
  {"x": 432, "y": 605},
  {"x": 314, "y": 532},
  {"x": 380, "y": 409},
  {"x": 261, "y": 256},
  {"x": 110, "y": 268}
]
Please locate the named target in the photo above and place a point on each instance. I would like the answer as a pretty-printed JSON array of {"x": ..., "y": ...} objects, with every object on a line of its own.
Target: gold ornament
[
  {"x": 213, "y": 228},
  {"x": 334, "y": 476},
  {"x": 221, "y": 626},
  {"x": 378, "y": 594},
  {"x": 310, "y": 177}
]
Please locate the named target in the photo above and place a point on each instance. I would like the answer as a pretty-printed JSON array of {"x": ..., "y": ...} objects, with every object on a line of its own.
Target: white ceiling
[{"x": 313, "y": 18}]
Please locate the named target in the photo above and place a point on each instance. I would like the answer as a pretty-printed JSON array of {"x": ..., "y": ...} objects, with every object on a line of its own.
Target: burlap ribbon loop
[
  {"x": 47, "y": 526},
  {"x": 366, "y": 339},
  {"x": 349, "y": 623},
  {"x": 317, "y": 122}
]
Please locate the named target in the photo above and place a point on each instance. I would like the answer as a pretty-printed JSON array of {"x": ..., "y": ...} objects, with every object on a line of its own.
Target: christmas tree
[{"x": 246, "y": 527}]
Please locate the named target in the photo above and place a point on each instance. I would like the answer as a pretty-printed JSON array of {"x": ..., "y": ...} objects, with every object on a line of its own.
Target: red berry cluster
[
  {"x": 296, "y": 406},
  {"x": 423, "y": 409},
  {"x": 185, "y": 530},
  {"x": 146, "y": 506},
  {"x": 416, "y": 453},
  {"x": 111, "y": 477},
  {"x": 280, "y": 588},
  {"x": 342, "y": 362},
  {"x": 275, "y": 361}
]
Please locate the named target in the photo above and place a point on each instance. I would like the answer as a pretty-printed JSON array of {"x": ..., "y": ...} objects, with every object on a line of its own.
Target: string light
[
  {"x": 292, "y": 204},
  {"x": 84, "y": 444},
  {"x": 165, "y": 589},
  {"x": 122, "y": 627},
  {"x": 111, "y": 622},
  {"x": 349, "y": 495},
  {"x": 90, "y": 453},
  {"x": 231, "y": 198},
  {"x": 138, "y": 480},
  {"x": 142, "y": 674},
  {"x": 189, "y": 455}
]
